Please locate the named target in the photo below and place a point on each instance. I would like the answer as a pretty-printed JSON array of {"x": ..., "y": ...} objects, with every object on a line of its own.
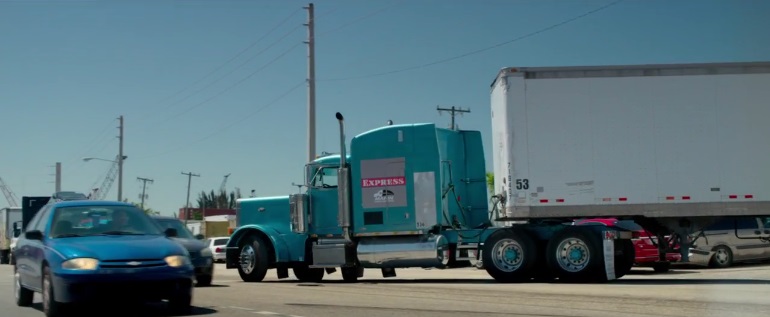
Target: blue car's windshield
[{"x": 77, "y": 221}]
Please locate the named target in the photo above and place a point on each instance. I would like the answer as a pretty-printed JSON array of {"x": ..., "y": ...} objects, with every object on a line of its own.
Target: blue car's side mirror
[
  {"x": 170, "y": 232},
  {"x": 33, "y": 235},
  {"x": 200, "y": 236}
]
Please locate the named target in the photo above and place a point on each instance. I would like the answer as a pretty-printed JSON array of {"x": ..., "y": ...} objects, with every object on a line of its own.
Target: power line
[
  {"x": 224, "y": 64},
  {"x": 144, "y": 187},
  {"x": 453, "y": 112},
  {"x": 228, "y": 126},
  {"x": 364, "y": 17},
  {"x": 441, "y": 61},
  {"x": 232, "y": 71},
  {"x": 187, "y": 205},
  {"x": 238, "y": 83}
]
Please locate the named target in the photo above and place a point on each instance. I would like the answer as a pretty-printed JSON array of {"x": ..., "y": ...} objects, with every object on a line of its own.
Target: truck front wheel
[
  {"x": 509, "y": 255},
  {"x": 253, "y": 260}
]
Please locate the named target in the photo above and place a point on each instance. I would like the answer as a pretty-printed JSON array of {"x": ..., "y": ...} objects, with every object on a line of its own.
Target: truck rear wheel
[
  {"x": 253, "y": 261},
  {"x": 575, "y": 255},
  {"x": 509, "y": 255},
  {"x": 625, "y": 262}
]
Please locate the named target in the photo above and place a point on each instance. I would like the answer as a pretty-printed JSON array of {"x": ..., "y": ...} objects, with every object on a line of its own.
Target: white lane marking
[
  {"x": 266, "y": 313},
  {"x": 241, "y": 308}
]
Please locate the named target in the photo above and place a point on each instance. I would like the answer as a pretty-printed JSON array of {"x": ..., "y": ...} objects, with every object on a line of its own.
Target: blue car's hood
[{"x": 126, "y": 247}]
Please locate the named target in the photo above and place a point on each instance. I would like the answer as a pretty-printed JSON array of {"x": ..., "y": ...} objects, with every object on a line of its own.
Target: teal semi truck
[{"x": 651, "y": 143}]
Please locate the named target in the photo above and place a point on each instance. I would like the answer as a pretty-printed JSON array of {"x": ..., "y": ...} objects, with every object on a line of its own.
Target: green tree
[
  {"x": 491, "y": 183},
  {"x": 221, "y": 200},
  {"x": 146, "y": 210}
]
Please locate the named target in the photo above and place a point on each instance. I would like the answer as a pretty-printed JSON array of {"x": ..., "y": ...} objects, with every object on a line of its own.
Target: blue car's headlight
[
  {"x": 81, "y": 264},
  {"x": 177, "y": 260}
]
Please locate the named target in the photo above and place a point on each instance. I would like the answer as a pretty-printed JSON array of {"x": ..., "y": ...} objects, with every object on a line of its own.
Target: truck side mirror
[{"x": 33, "y": 235}]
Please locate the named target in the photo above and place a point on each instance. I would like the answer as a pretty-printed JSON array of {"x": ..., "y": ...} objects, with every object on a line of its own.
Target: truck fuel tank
[{"x": 403, "y": 251}]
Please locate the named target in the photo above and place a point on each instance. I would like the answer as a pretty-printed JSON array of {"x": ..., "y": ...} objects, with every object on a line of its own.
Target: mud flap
[{"x": 609, "y": 255}]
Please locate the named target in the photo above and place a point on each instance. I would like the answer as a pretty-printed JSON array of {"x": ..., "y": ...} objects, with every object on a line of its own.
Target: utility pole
[
  {"x": 310, "y": 82},
  {"x": 144, "y": 186},
  {"x": 58, "y": 177},
  {"x": 120, "y": 160},
  {"x": 187, "y": 205},
  {"x": 453, "y": 112}
]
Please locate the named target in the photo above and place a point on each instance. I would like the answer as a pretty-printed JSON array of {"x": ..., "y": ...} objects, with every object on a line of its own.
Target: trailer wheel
[
  {"x": 509, "y": 255},
  {"x": 308, "y": 274},
  {"x": 575, "y": 254},
  {"x": 253, "y": 261}
]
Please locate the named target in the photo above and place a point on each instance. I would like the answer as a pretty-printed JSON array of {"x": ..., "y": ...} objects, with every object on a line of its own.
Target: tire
[
  {"x": 51, "y": 308},
  {"x": 722, "y": 258},
  {"x": 254, "y": 259},
  {"x": 541, "y": 272},
  {"x": 518, "y": 262},
  {"x": 12, "y": 260},
  {"x": 203, "y": 280},
  {"x": 625, "y": 262},
  {"x": 351, "y": 274},
  {"x": 181, "y": 303},
  {"x": 307, "y": 274},
  {"x": 661, "y": 267},
  {"x": 575, "y": 254},
  {"x": 24, "y": 296}
]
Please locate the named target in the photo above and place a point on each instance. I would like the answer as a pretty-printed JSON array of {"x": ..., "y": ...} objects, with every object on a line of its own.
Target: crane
[
  {"x": 222, "y": 188},
  {"x": 98, "y": 193},
  {"x": 13, "y": 201}
]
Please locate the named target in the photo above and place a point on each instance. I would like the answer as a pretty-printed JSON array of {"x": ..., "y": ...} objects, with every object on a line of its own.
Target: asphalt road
[{"x": 742, "y": 291}]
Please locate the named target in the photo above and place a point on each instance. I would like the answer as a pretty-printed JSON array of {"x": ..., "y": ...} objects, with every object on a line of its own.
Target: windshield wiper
[
  {"x": 68, "y": 235},
  {"x": 121, "y": 233}
]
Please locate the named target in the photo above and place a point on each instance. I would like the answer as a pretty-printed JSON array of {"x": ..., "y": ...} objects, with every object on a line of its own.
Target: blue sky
[{"x": 68, "y": 69}]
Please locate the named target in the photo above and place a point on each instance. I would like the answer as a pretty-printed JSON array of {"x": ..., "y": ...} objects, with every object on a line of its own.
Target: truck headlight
[
  {"x": 177, "y": 260},
  {"x": 206, "y": 252},
  {"x": 81, "y": 264}
]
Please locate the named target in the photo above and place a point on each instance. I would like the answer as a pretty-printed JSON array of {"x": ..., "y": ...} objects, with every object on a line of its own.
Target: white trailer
[
  {"x": 10, "y": 219},
  {"x": 670, "y": 146}
]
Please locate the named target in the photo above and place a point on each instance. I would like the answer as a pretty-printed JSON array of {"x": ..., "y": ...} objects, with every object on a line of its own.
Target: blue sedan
[{"x": 88, "y": 251}]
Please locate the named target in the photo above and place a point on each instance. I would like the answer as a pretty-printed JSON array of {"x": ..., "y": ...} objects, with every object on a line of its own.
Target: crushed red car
[{"x": 645, "y": 244}]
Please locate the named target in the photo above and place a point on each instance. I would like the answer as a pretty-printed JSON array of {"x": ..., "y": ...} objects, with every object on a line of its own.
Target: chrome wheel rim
[
  {"x": 721, "y": 256},
  {"x": 507, "y": 255},
  {"x": 248, "y": 259},
  {"x": 572, "y": 255},
  {"x": 17, "y": 284}
]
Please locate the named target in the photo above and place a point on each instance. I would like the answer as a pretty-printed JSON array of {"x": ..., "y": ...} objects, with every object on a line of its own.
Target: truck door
[{"x": 323, "y": 201}]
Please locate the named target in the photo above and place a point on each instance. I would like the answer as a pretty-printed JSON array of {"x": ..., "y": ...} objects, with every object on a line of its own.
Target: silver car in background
[{"x": 732, "y": 240}]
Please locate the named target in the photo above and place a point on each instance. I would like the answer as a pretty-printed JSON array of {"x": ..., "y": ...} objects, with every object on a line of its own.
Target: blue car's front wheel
[
  {"x": 51, "y": 307},
  {"x": 24, "y": 296}
]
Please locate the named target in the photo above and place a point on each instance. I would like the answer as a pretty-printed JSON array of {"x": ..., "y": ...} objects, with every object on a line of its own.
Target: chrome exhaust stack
[{"x": 343, "y": 185}]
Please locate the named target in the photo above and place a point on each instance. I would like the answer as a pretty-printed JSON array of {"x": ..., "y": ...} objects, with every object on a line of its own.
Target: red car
[{"x": 645, "y": 245}]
